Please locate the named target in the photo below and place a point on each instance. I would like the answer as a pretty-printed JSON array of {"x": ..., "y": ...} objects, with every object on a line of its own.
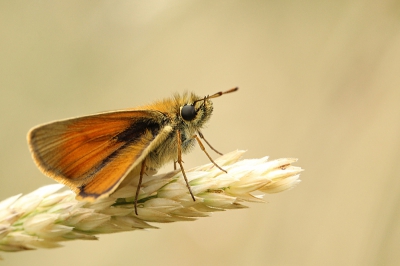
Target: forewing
[{"x": 93, "y": 154}]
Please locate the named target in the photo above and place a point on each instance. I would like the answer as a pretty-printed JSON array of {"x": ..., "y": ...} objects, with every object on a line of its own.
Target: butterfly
[{"x": 93, "y": 154}]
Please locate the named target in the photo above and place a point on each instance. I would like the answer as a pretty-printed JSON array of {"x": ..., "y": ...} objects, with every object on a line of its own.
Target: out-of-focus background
[{"x": 319, "y": 81}]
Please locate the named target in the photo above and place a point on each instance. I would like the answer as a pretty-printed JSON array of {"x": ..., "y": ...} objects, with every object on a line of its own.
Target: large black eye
[{"x": 188, "y": 112}]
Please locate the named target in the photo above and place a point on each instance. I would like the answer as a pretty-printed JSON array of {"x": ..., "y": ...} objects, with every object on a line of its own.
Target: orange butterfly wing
[{"x": 93, "y": 154}]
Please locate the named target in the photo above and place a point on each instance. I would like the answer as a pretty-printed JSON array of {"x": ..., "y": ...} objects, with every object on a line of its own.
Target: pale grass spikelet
[{"x": 44, "y": 217}]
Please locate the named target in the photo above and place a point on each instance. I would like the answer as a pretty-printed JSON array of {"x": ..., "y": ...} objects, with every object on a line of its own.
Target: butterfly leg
[
  {"x": 142, "y": 169},
  {"x": 209, "y": 145},
  {"x": 204, "y": 149},
  {"x": 179, "y": 161}
]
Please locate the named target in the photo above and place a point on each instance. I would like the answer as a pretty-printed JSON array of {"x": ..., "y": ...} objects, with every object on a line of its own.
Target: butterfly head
[{"x": 197, "y": 112}]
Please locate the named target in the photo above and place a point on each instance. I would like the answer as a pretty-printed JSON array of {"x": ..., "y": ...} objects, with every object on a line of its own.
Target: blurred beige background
[{"x": 319, "y": 80}]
